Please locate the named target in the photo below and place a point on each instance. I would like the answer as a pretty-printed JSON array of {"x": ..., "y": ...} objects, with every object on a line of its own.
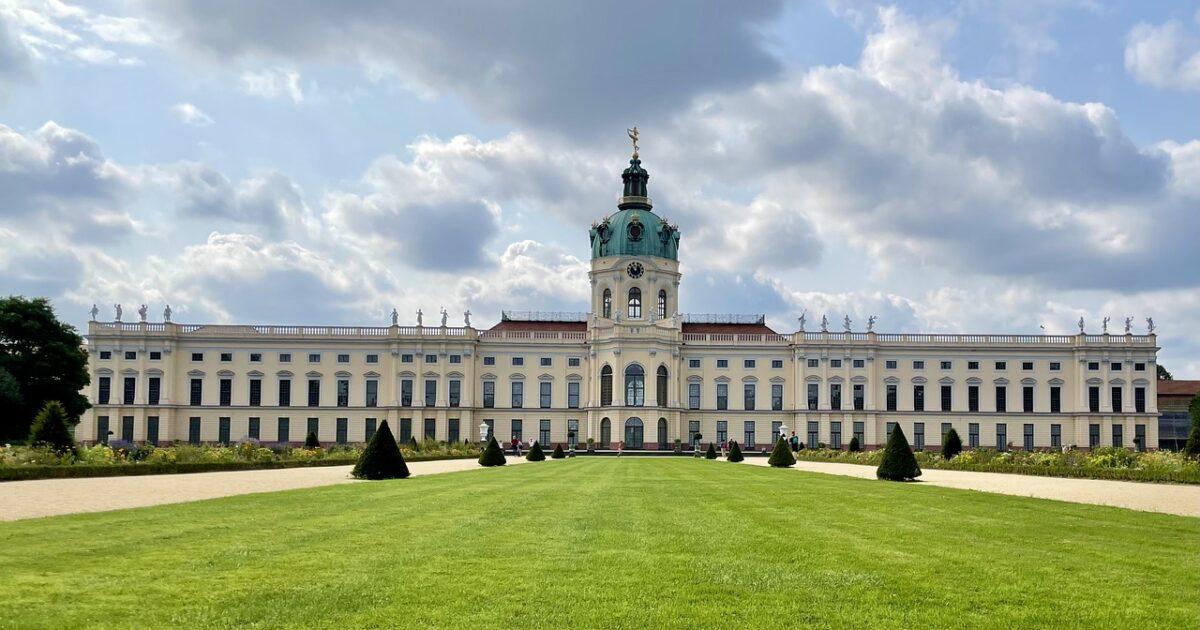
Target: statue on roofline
[
  {"x": 1150, "y": 325},
  {"x": 142, "y": 312},
  {"x": 118, "y": 307},
  {"x": 167, "y": 313},
  {"x": 871, "y": 324},
  {"x": 395, "y": 317},
  {"x": 95, "y": 312},
  {"x": 420, "y": 319}
]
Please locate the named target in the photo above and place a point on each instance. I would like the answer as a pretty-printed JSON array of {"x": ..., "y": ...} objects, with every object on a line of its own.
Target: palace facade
[{"x": 631, "y": 369}]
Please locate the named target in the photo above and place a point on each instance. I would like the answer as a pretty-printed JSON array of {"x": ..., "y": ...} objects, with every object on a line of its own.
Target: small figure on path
[{"x": 794, "y": 442}]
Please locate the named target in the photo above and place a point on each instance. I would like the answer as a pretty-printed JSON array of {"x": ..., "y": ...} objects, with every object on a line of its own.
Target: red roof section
[
  {"x": 541, "y": 326},
  {"x": 1178, "y": 388},
  {"x": 730, "y": 329}
]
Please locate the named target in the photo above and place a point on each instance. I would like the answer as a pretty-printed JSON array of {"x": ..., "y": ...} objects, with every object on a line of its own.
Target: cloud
[
  {"x": 58, "y": 30},
  {"x": 267, "y": 199},
  {"x": 273, "y": 83},
  {"x": 1165, "y": 55},
  {"x": 15, "y": 62},
  {"x": 189, "y": 114}
]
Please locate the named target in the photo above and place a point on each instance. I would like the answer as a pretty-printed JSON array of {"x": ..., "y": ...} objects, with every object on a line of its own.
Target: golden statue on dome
[{"x": 633, "y": 135}]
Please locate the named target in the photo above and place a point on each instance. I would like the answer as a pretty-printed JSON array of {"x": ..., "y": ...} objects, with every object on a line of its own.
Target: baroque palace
[{"x": 631, "y": 369}]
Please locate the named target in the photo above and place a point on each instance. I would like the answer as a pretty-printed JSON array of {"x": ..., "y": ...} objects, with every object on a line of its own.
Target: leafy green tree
[
  {"x": 53, "y": 429},
  {"x": 1192, "y": 446},
  {"x": 535, "y": 453},
  {"x": 854, "y": 445},
  {"x": 492, "y": 455},
  {"x": 558, "y": 452},
  {"x": 1163, "y": 374},
  {"x": 711, "y": 453},
  {"x": 311, "y": 441},
  {"x": 735, "y": 452},
  {"x": 899, "y": 463},
  {"x": 782, "y": 456},
  {"x": 382, "y": 458},
  {"x": 951, "y": 444},
  {"x": 46, "y": 360}
]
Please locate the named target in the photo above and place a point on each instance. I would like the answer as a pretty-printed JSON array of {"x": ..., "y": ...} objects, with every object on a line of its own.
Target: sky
[{"x": 980, "y": 166}]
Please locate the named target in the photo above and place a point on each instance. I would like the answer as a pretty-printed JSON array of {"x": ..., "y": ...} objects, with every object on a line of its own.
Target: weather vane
[{"x": 633, "y": 135}]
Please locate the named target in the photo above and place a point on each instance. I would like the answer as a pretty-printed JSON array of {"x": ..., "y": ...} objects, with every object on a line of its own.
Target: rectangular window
[
  {"x": 859, "y": 428},
  {"x": 285, "y": 357},
  {"x": 518, "y": 361},
  {"x": 518, "y": 394},
  {"x": 430, "y": 429},
  {"x": 1001, "y": 436},
  {"x": 453, "y": 433},
  {"x": 1118, "y": 435},
  {"x": 430, "y": 392},
  {"x": 572, "y": 433},
  {"x": 489, "y": 360},
  {"x": 1093, "y": 366},
  {"x": 946, "y": 365},
  {"x": 283, "y": 430},
  {"x": 814, "y": 363},
  {"x": 1116, "y": 399},
  {"x": 517, "y": 430},
  {"x": 431, "y": 358},
  {"x": 814, "y": 436},
  {"x": 972, "y": 398},
  {"x": 860, "y": 363},
  {"x": 835, "y": 363},
  {"x": 154, "y": 389},
  {"x": 1002, "y": 365},
  {"x": 973, "y": 435},
  {"x": 455, "y": 392},
  {"x": 1027, "y": 398},
  {"x": 693, "y": 395},
  {"x": 748, "y": 363},
  {"x": 572, "y": 394},
  {"x": 223, "y": 430},
  {"x": 722, "y": 431},
  {"x": 369, "y": 429},
  {"x": 544, "y": 388},
  {"x": 891, "y": 426},
  {"x": 343, "y": 392},
  {"x": 155, "y": 355},
  {"x": 1056, "y": 435},
  {"x": 777, "y": 364},
  {"x": 573, "y": 362},
  {"x": 947, "y": 397},
  {"x": 544, "y": 432},
  {"x": 314, "y": 427},
  {"x": 918, "y": 398},
  {"x": 891, "y": 398},
  {"x": 193, "y": 430},
  {"x": 722, "y": 363},
  {"x": 152, "y": 429},
  {"x": 129, "y": 390},
  {"x": 722, "y": 396},
  {"x": 130, "y": 356},
  {"x": 406, "y": 392},
  {"x": 946, "y": 426},
  {"x": 226, "y": 357},
  {"x": 919, "y": 436},
  {"x": 835, "y": 396},
  {"x": 1139, "y": 437},
  {"x": 545, "y": 362},
  {"x": 1093, "y": 436},
  {"x": 1028, "y": 437},
  {"x": 835, "y": 434},
  {"x": 342, "y": 431},
  {"x": 1139, "y": 399},
  {"x": 196, "y": 391},
  {"x": 889, "y": 365},
  {"x": 1055, "y": 399},
  {"x": 1001, "y": 398},
  {"x": 197, "y": 356},
  {"x": 972, "y": 365},
  {"x": 406, "y": 431},
  {"x": 105, "y": 388},
  {"x": 105, "y": 355},
  {"x": 1027, "y": 366},
  {"x": 256, "y": 357},
  {"x": 776, "y": 431},
  {"x": 694, "y": 364},
  {"x": 776, "y": 397},
  {"x": 918, "y": 365},
  {"x": 285, "y": 392},
  {"x": 314, "y": 357},
  {"x": 1055, "y": 366},
  {"x": 226, "y": 398},
  {"x": 374, "y": 358},
  {"x": 255, "y": 392},
  {"x": 127, "y": 429},
  {"x": 454, "y": 358},
  {"x": 1139, "y": 367},
  {"x": 860, "y": 396},
  {"x": 748, "y": 396},
  {"x": 812, "y": 397},
  {"x": 408, "y": 358},
  {"x": 1094, "y": 399},
  {"x": 489, "y": 394},
  {"x": 1115, "y": 367},
  {"x": 693, "y": 429},
  {"x": 371, "y": 395},
  {"x": 314, "y": 392},
  {"x": 254, "y": 429}
]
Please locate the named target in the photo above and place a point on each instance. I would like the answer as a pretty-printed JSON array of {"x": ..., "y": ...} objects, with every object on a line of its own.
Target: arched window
[
  {"x": 605, "y": 432},
  {"x": 662, "y": 303},
  {"x": 607, "y": 306},
  {"x": 606, "y": 386},
  {"x": 635, "y": 303},
  {"x": 661, "y": 390},
  {"x": 635, "y": 386},
  {"x": 662, "y": 433}
]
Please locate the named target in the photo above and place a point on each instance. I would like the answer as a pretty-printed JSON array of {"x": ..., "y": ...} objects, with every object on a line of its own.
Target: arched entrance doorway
[
  {"x": 662, "y": 433},
  {"x": 633, "y": 433},
  {"x": 605, "y": 433}
]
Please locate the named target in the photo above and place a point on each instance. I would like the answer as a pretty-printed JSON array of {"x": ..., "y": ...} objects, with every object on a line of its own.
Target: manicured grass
[{"x": 606, "y": 542}]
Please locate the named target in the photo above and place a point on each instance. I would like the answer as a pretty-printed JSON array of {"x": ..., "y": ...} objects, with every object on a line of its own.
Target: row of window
[
  {"x": 1001, "y": 434},
  {"x": 1026, "y": 366},
  {"x": 748, "y": 364},
  {"x": 1000, "y": 399},
  {"x": 634, "y": 304}
]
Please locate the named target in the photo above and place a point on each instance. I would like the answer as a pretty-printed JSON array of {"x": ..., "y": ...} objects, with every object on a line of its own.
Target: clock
[{"x": 634, "y": 270}]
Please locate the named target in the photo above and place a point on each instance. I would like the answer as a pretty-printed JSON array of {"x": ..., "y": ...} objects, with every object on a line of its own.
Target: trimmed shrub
[
  {"x": 382, "y": 458},
  {"x": 535, "y": 453},
  {"x": 735, "y": 452},
  {"x": 1192, "y": 446},
  {"x": 711, "y": 453},
  {"x": 558, "y": 452},
  {"x": 492, "y": 455},
  {"x": 854, "y": 445},
  {"x": 311, "y": 441},
  {"x": 951, "y": 444},
  {"x": 782, "y": 456},
  {"x": 53, "y": 429},
  {"x": 899, "y": 463},
  {"x": 413, "y": 445}
]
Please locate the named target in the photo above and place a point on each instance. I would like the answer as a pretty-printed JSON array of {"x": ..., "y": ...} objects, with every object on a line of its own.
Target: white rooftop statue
[
  {"x": 1106, "y": 319},
  {"x": 420, "y": 318},
  {"x": 1150, "y": 325},
  {"x": 395, "y": 317},
  {"x": 871, "y": 324},
  {"x": 445, "y": 315},
  {"x": 846, "y": 323},
  {"x": 1081, "y": 325},
  {"x": 167, "y": 313},
  {"x": 142, "y": 312},
  {"x": 467, "y": 318},
  {"x": 118, "y": 308},
  {"x": 95, "y": 312},
  {"x": 803, "y": 316},
  {"x": 1128, "y": 324},
  {"x": 824, "y": 324}
]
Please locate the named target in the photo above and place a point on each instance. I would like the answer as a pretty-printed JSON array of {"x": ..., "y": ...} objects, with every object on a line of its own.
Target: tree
[
  {"x": 951, "y": 444},
  {"x": 492, "y": 455},
  {"x": 45, "y": 358},
  {"x": 1163, "y": 374},
  {"x": 311, "y": 441},
  {"x": 711, "y": 453},
  {"x": 1192, "y": 446},
  {"x": 854, "y": 445},
  {"x": 558, "y": 452},
  {"x": 382, "y": 458},
  {"x": 53, "y": 429},
  {"x": 899, "y": 463},
  {"x": 735, "y": 452},
  {"x": 782, "y": 456},
  {"x": 535, "y": 453}
]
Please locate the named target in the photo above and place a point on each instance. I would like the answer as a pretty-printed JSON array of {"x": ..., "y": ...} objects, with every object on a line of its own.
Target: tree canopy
[{"x": 41, "y": 359}]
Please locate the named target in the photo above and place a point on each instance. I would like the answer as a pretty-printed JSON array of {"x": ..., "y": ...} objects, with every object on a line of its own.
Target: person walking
[{"x": 795, "y": 442}]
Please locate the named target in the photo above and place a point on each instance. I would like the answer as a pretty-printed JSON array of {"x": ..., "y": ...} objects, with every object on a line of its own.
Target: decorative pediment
[
  {"x": 196, "y": 373},
  {"x": 225, "y": 373},
  {"x": 104, "y": 370},
  {"x": 1116, "y": 381},
  {"x": 858, "y": 379},
  {"x": 695, "y": 378},
  {"x": 946, "y": 380},
  {"x": 154, "y": 372},
  {"x": 284, "y": 373},
  {"x": 812, "y": 378},
  {"x": 314, "y": 374},
  {"x": 750, "y": 379},
  {"x": 1095, "y": 381},
  {"x": 545, "y": 376},
  {"x": 1140, "y": 381},
  {"x": 1001, "y": 381},
  {"x": 133, "y": 371},
  {"x": 342, "y": 374},
  {"x": 974, "y": 380},
  {"x": 722, "y": 379},
  {"x": 891, "y": 380},
  {"x": 254, "y": 374},
  {"x": 516, "y": 377},
  {"x": 778, "y": 379},
  {"x": 1056, "y": 381},
  {"x": 454, "y": 374},
  {"x": 835, "y": 379},
  {"x": 409, "y": 374},
  {"x": 488, "y": 377},
  {"x": 431, "y": 374},
  {"x": 919, "y": 380},
  {"x": 574, "y": 377},
  {"x": 371, "y": 374}
]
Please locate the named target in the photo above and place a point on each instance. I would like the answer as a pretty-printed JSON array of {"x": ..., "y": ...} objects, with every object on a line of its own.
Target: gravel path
[
  {"x": 52, "y": 497},
  {"x": 1183, "y": 500}
]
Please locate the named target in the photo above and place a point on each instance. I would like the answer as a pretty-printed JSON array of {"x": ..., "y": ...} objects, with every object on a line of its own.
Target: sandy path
[
  {"x": 1183, "y": 500},
  {"x": 51, "y": 497}
]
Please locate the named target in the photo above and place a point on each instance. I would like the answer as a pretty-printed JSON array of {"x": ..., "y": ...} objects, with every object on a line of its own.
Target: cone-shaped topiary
[
  {"x": 492, "y": 455},
  {"x": 558, "y": 452},
  {"x": 854, "y": 445},
  {"x": 311, "y": 441},
  {"x": 899, "y": 463},
  {"x": 413, "y": 445},
  {"x": 711, "y": 453},
  {"x": 735, "y": 452},
  {"x": 382, "y": 458},
  {"x": 52, "y": 428},
  {"x": 535, "y": 453},
  {"x": 782, "y": 456},
  {"x": 951, "y": 444}
]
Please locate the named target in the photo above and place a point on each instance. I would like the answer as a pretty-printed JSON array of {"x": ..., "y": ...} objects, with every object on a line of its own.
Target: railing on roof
[
  {"x": 543, "y": 316},
  {"x": 723, "y": 318},
  {"x": 571, "y": 336}
]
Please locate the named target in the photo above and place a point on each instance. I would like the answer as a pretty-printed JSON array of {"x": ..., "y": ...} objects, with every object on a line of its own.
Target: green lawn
[{"x": 606, "y": 542}]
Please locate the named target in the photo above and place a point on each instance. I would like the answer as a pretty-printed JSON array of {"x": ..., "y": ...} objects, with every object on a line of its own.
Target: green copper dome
[{"x": 634, "y": 229}]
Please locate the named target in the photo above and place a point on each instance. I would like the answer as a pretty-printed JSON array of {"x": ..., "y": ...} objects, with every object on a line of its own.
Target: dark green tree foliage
[
  {"x": 854, "y": 445},
  {"x": 558, "y": 452},
  {"x": 951, "y": 444},
  {"x": 782, "y": 456},
  {"x": 492, "y": 455},
  {"x": 382, "y": 458},
  {"x": 1192, "y": 446},
  {"x": 53, "y": 429},
  {"x": 44, "y": 360},
  {"x": 899, "y": 463},
  {"x": 311, "y": 441},
  {"x": 711, "y": 453},
  {"x": 535, "y": 453},
  {"x": 735, "y": 452},
  {"x": 1163, "y": 374}
]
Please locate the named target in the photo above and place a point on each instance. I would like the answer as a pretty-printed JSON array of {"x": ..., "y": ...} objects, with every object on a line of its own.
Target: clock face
[{"x": 634, "y": 269}]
